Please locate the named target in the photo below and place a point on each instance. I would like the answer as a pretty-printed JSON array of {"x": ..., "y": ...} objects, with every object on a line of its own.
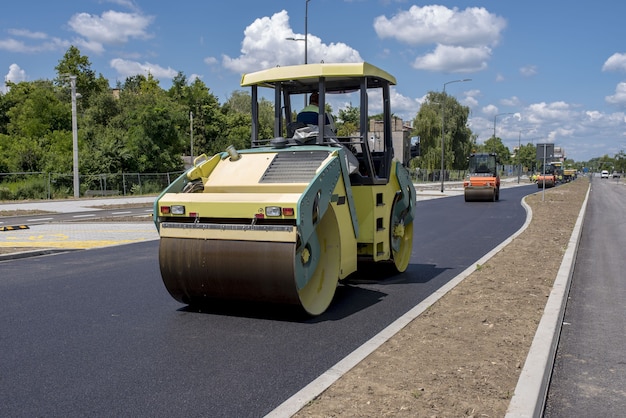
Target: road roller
[
  {"x": 483, "y": 181},
  {"x": 287, "y": 219},
  {"x": 547, "y": 177}
]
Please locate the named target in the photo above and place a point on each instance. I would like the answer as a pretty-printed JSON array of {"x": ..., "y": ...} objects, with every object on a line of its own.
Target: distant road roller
[
  {"x": 483, "y": 180},
  {"x": 547, "y": 176},
  {"x": 285, "y": 220}
]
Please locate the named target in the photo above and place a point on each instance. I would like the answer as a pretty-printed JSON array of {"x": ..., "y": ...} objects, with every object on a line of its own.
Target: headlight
[
  {"x": 273, "y": 211},
  {"x": 178, "y": 210}
]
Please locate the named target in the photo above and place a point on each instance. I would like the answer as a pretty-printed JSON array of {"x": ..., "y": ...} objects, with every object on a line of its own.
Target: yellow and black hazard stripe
[{"x": 13, "y": 227}]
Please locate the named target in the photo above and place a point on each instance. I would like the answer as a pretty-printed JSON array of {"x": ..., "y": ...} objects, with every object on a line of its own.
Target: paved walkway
[{"x": 46, "y": 238}]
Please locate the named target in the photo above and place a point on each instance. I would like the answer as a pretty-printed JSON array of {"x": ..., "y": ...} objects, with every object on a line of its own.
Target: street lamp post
[
  {"x": 306, "y": 31},
  {"x": 519, "y": 160},
  {"x": 443, "y": 107},
  {"x": 494, "y": 127},
  {"x": 74, "y": 96},
  {"x": 494, "y": 122},
  {"x": 306, "y": 38},
  {"x": 75, "y": 138},
  {"x": 191, "y": 136}
]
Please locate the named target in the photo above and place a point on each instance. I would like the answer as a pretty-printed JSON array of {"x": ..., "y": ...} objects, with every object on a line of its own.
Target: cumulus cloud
[
  {"x": 15, "y": 75},
  {"x": 546, "y": 112},
  {"x": 464, "y": 38},
  {"x": 126, "y": 68},
  {"x": 616, "y": 62},
  {"x": 270, "y": 41},
  {"x": 111, "y": 28},
  {"x": 472, "y": 27},
  {"x": 619, "y": 98},
  {"x": 454, "y": 59}
]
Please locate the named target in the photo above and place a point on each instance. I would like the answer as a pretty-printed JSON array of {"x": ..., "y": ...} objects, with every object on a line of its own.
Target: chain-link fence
[
  {"x": 30, "y": 185},
  {"x": 421, "y": 175},
  {"x": 39, "y": 185}
]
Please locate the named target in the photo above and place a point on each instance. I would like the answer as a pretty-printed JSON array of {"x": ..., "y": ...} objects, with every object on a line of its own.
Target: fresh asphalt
[{"x": 78, "y": 235}]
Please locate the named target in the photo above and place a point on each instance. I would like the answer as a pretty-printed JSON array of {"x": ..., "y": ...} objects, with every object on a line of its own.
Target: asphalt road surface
[
  {"x": 589, "y": 375},
  {"x": 95, "y": 333},
  {"x": 93, "y": 215}
]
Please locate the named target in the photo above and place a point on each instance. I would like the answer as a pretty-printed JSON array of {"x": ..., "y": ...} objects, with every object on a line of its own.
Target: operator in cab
[{"x": 310, "y": 113}]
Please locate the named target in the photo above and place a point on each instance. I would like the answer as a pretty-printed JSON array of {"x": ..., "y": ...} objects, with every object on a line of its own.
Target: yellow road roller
[
  {"x": 285, "y": 220},
  {"x": 483, "y": 181}
]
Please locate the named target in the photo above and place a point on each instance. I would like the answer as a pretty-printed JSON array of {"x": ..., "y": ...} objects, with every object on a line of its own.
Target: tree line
[{"x": 140, "y": 127}]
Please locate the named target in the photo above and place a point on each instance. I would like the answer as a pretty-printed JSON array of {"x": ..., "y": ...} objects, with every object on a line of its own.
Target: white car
[{"x": 604, "y": 174}]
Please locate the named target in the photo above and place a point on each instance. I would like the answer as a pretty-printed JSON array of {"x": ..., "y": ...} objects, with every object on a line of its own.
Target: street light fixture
[
  {"x": 443, "y": 124},
  {"x": 74, "y": 134}
]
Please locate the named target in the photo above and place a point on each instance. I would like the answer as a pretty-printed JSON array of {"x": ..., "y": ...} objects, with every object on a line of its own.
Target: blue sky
[{"x": 558, "y": 66}]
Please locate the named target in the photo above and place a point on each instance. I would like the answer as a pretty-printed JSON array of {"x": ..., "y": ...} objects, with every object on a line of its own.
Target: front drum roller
[
  {"x": 197, "y": 271},
  {"x": 480, "y": 195}
]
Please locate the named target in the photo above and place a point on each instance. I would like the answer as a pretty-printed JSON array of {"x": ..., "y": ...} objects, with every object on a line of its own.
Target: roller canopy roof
[{"x": 339, "y": 76}]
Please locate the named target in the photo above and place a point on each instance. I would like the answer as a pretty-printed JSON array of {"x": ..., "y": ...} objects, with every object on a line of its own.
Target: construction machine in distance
[
  {"x": 569, "y": 174},
  {"x": 285, "y": 220},
  {"x": 547, "y": 177},
  {"x": 483, "y": 181}
]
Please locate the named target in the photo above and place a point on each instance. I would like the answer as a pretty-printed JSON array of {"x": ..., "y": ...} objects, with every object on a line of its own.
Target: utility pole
[
  {"x": 191, "y": 135},
  {"x": 75, "y": 138}
]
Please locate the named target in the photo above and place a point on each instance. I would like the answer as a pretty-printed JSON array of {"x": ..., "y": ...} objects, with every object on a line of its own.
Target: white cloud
[
  {"x": 14, "y": 45},
  {"x": 528, "y": 70},
  {"x": 265, "y": 45},
  {"x": 125, "y": 3},
  {"x": 25, "y": 33},
  {"x": 15, "y": 75},
  {"x": 472, "y": 27},
  {"x": 454, "y": 59},
  {"x": 619, "y": 98},
  {"x": 111, "y": 28},
  {"x": 127, "y": 68},
  {"x": 616, "y": 62},
  {"x": 463, "y": 38},
  {"x": 549, "y": 112},
  {"x": 512, "y": 102}
]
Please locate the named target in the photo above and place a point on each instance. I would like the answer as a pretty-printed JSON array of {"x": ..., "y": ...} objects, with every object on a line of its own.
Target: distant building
[{"x": 400, "y": 135}]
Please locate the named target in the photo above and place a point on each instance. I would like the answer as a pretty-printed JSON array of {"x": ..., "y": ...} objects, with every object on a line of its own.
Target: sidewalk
[{"x": 53, "y": 237}]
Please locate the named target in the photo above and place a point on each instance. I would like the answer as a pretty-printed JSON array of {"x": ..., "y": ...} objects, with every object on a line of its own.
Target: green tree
[
  {"x": 525, "y": 157},
  {"x": 457, "y": 135},
  {"x": 494, "y": 144},
  {"x": 142, "y": 131},
  {"x": 87, "y": 83},
  {"x": 209, "y": 122}
]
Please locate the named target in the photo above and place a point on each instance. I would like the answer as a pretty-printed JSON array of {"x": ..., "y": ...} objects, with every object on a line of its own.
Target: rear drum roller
[
  {"x": 401, "y": 244},
  {"x": 402, "y": 239}
]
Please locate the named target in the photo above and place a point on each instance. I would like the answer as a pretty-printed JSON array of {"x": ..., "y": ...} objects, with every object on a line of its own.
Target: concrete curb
[
  {"x": 532, "y": 387},
  {"x": 324, "y": 381}
]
